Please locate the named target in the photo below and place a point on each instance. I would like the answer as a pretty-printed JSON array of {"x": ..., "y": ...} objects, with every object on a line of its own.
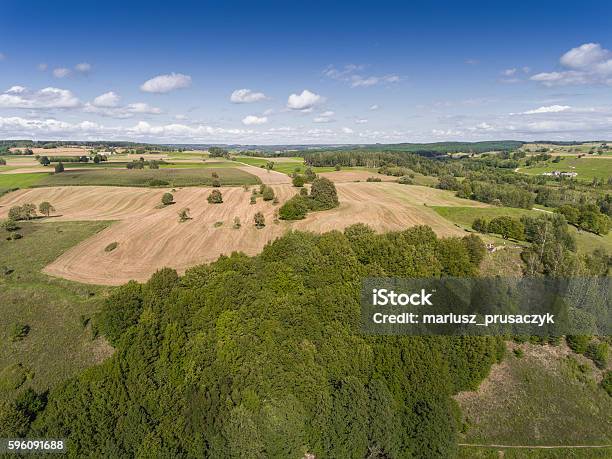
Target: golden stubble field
[{"x": 150, "y": 237}]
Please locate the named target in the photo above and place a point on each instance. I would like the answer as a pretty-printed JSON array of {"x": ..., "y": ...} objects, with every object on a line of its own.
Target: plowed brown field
[{"x": 149, "y": 237}]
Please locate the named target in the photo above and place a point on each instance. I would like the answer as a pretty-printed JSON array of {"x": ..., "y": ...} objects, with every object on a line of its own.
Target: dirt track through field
[
  {"x": 150, "y": 237},
  {"x": 266, "y": 176}
]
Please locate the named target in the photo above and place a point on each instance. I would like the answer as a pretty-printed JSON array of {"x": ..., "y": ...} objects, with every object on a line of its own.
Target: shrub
[
  {"x": 215, "y": 175},
  {"x": 268, "y": 194},
  {"x": 295, "y": 208},
  {"x": 253, "y": 200},
  {"x": 260, "y": 220},
  {"x": 598, "y": 353},
  {"x": 215, "y": 197},
  {"x": 237, "y": 223},
  {"x": 578, "y": 343},
  {"x": 373, "y": 179},
  {"x": 480, "y": 225},
  {"x": 110, "y": 247},
  {"x": 184, "y": 215},
  {"x": 9, "y": 225},
  {"x": 158, "y": 182},
  {"x": 24, "y": 212},
  {"x": 323, "y": 194},
  {"x": 476, "y": 248},
  {"x": 405, "y": 180},
  {"x": 46, "y": 208},
  {"x": 298, "y": 181},
  {"x": 309, "y": 175},
  {"x": 19, "y": 331},
  {"x": 217, "y": 224},
  {"x": 167, "y": 199},
  {"x": 606, "y": 382},
  {"x": 59, "y": 168},
  {"x": 14, "y": 236},
  {"x": 337, "y": 167},
  {"x": 216, "y": 183}
]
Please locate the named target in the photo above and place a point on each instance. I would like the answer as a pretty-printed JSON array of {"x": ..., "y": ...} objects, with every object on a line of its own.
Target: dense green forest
[{"x": 263, "y": 357}]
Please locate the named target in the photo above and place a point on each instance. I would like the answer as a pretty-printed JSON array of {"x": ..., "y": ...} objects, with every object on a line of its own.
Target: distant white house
[{"x": 560, "y": 174}]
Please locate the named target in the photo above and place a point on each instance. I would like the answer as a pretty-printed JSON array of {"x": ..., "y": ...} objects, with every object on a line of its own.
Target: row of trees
[
  {"x": 587, "y": 217},
  {"x": 28, "y": 211}
]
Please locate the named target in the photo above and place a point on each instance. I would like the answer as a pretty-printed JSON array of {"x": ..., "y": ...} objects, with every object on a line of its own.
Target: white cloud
[
  {"x": 361, "y": 121},
  {"x": 254, "y": 120},
  {"x": 347, "y": 130},
  {"x": 108, "y": 99},
  {"x": 43, "y": 67},
  {"x": 166, "y": 83},
  {"x": 349, "y": 73},
  {"x": 47, "y": 98},
  {"x": 83, "y": 67},
  {"x": 324, "y": 117},
  {"x": 588, "y": 64},
  {"x": 61, "y": 72},
  {"x": 246, "y": 96},
  {"x": 374, "y": 107},
  {"x": 548, "y": 109},
  {"x": 304, "y": 101},
  {"x": 509, "y": 72}
]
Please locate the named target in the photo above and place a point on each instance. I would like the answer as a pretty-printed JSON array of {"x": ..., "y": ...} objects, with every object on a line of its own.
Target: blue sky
[{"x": 305, "y": 72}]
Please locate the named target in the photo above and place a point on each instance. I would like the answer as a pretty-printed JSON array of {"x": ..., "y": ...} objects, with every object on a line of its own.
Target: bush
[
  {"x": 253, "y": 200},
  {"x": 25, "y": 212},
  {"x": 606, "y": 382},
  {"x": 9, "y": 225},
  {"x": 158, "y": 182},
  {"x": 373, "y": 179},
  {"x": 14, "y": 236},
  {"x": 167, "y": 199},
  {"x": 405, "y": 180},
  {"x": 184, "y": 215},
  {"x": 578, "y": 343},
  {"x": 260, "y": 220},
  {"x": 110, "y": 247},
  {"x": 268, "y": 194},
  {"x": 215, "y": 197},
  {"x": 480, "y": 225},
  {"x": 19, "y": 332},
  {"x": 295, "y": 208},
  {"x": 216, "y": 183},
  {"x": 598, "y": 353},
  {"x": 298, "y": 181},
  {"x": 237, "y": 223},
  {"x": 59, "y": 168},
  {"x": 476, "y": 248},
  {"x": 323, "y": 194}
]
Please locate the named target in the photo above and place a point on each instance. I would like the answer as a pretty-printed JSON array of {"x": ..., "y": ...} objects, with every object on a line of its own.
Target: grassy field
[
  {"x": 287, "y": 165},
  {"x": 21, "y": 180},
  {"x": 586, "y": 168},
  {"x": 60, "y": 341},
  {"x": 173, "y": 177},
  {"x": 549, "y": 396}
]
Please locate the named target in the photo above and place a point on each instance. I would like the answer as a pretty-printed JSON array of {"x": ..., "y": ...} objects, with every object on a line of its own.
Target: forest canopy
[{"x": 263, "y": 357}]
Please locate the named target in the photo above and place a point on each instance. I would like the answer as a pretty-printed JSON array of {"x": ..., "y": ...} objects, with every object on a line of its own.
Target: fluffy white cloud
[
  {"x": 548, "y": 109},
  {"x": 304, "y": 101},
  {"x": 374, "y": 107},
  {"x": 509, "y": 72},
  {"x": 587, "y": 64},
  {"x": 83, "y": 67},
  {"x": 61, "y": 72},
  {"x": 246, "y": 96},
  {"x": 108, "y": 99},
  {"x": 21, "y": 97},
  {"x": 347, "y": 130},
  {"x": 166, "y": 83},
  {"x": 254, "y": 120}
]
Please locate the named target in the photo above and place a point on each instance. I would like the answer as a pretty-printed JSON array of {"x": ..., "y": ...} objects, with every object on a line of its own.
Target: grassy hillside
[
  {"x": 59, "y": 342},
  {"x": 549, "y": 396},
  {"x": 586, "y": 168}
]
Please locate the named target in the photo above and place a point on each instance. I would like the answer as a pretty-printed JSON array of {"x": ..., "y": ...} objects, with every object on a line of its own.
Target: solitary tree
[
  {"x": 237, "y": 223},
  {"x": 253, "y": 200},
  {"x": 167, "y": 199},
  {"x": 97, "y": 159},
  {"x": 215, "y": 197},
  {"x": 59, "y": 167},
  {"x": 260, "y": 220},
  {"x": 44, "y": 161},
  {"x": 46, "y": 208},
  {"x": 184, "y": 214},
  {"x": 268, "y": 194}
]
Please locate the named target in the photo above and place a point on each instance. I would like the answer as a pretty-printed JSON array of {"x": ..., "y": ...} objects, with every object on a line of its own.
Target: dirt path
[{"x": 268, "y": 177}]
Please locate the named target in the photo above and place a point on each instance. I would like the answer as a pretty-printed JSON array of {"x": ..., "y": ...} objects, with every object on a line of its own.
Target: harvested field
[
  {"x": 267, "y": 177},
  {"x": 61, "y": 151},
  {"x": 355, "y": 176},
  {"x": 150, "y": 238}
]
